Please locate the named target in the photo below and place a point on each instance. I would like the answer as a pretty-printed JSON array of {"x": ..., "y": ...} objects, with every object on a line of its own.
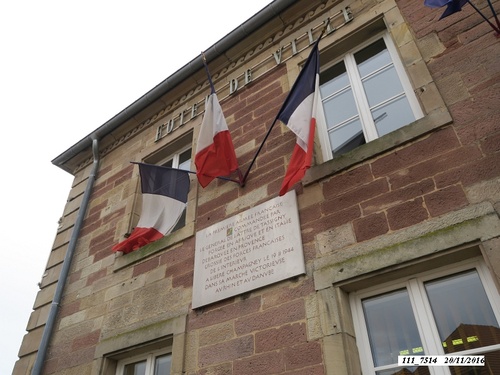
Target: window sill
[
  {"x": 153, "y": 248},
  {"x": 350, "y": 266},
  {"x": 383, "y": 144}
]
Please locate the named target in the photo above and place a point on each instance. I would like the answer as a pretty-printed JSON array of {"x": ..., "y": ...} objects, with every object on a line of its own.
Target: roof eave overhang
[{"x": 270, "y": 12}]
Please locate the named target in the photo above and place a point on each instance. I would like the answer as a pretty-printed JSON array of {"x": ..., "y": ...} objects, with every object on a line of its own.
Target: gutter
[
  {"x": 271, "y": 11},
  {"x": 63, "y": 276}
]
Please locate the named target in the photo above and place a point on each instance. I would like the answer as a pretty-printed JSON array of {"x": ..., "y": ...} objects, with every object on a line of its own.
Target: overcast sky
[{"x": 67, "y": 67}]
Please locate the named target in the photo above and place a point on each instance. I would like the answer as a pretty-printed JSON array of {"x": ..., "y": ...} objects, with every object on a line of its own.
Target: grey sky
[{"x": 66, "y": 68}]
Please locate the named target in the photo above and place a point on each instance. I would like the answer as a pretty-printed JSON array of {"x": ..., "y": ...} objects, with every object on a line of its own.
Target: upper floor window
[
  {"x": 366, "y": 94},
  {"x": 156, "y": 363},
  {"x": 180, "y": 160},
  {"x": 452, "y": 312}
]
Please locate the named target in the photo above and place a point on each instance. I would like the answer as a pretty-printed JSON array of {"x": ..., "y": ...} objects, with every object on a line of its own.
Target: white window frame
[
  {"x": 176, "y": 156},
  {"x": 149, "y": 357},
  {"x": 360, "y": 99},
  {"x": 422, "y": 311}
]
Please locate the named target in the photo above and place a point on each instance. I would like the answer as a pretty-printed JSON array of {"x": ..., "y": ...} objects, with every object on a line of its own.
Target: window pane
[
  {"x": 491, "y": 367},
  {"x": 462, "y": 312},
  {"x": 392, "y": 330},
  {"x": 182, "y": 161},
  {"x": 339, "y": 108},
  {"x": 372, "y": 58},
  {"x": 162, "y": 365},
  {"x": 333, "y": 80},
  {"x": 382, "y": 86},
  {"x": 347, "y": 137},
  {"x": 181, "y": 223},
  {"x": 405, "y": 371},
  {"x": 138, "y": 368},
  {"x": 392, "y": 115},
  {"x": 338, "y": 99},
  {"x": 185, "y": 160}
]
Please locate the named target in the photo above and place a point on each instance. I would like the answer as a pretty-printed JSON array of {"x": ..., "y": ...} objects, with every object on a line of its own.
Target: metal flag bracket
[{"x": 497, "y": 27}]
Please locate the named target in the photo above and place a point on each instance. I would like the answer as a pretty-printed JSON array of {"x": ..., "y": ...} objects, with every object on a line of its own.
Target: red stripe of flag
[{"x": 215, "y": 156}]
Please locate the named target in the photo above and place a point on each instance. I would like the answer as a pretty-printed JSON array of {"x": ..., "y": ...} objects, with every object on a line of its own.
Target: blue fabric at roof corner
[
  {"x": 436, "y": 3},
  {"x": 453, "y": 6}
]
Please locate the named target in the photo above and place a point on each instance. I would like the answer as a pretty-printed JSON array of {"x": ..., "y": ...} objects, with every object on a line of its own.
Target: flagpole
[
  {"x": 494, "y": 15},
  {"x": 204, "y": 58},
  {"x": 163, "y": 166},
  {"x": 243, "y": 182},
  {"x": 185, "y": 170},
  {"x": 497, "y": 29},
  {"x": 212, "y": 89}
]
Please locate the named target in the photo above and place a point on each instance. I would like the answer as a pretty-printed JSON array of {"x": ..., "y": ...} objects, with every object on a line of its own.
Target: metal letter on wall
[{"x": 257, "y": 247}]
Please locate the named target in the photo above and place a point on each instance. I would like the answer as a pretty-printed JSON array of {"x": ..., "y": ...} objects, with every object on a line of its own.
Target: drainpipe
[{"x": 47, "y": 332}]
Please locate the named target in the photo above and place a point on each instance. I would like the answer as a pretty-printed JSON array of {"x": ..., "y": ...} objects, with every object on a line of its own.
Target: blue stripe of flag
[
  {"x": 303, "y": 86},
  {"x": 164, "y": 181}
]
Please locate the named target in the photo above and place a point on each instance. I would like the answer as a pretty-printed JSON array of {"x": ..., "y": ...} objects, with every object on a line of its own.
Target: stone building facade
[{"x": 399, "y": 214}]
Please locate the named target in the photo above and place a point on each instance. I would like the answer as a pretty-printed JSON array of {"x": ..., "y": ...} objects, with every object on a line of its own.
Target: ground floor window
[
  {"x": 454, "y": 310},
  {"x": 156, "y": 363}
]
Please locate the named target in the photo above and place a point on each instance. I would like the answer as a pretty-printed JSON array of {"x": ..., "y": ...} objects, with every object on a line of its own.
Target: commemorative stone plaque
[{"x": 255, "y": 248}]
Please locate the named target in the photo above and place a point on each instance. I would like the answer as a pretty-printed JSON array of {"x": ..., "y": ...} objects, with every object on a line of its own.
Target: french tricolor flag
[
  {"x": 299, "y": 114},
  {"x": 164, "y": 198},
  {"x": 215, "y": 156}
]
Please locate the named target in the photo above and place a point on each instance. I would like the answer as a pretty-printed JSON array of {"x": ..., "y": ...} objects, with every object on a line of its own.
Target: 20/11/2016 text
[{"x": 442, "y": 360}]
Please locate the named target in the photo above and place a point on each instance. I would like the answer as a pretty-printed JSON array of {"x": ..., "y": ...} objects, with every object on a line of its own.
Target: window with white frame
[
  {"x": 453, "y": 311},
  {"x": 179, "y": 160},
  {"x": 365, "y": 94},
  {"x": 154, "y": 363}
]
